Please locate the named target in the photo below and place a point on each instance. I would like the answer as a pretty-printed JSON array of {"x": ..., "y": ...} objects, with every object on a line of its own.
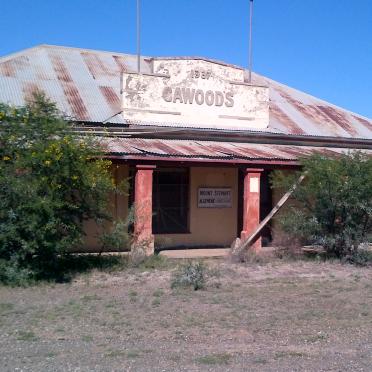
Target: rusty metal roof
[
  {"x": 85, "y": 84},
  {"x": 200, "y": 150}
]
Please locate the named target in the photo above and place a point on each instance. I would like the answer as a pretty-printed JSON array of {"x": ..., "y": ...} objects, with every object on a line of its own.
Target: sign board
[
  {"x": 211, "y": 197},
  {"x": 254, "y": 184},
  {"x": 194, "y": 93}
]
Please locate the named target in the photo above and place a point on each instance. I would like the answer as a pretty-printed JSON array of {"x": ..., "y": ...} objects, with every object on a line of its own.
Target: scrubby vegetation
[
  {"x": 51, "y": 181},
  {"x": 190, "y": 274},
  {"x": 193, "y": 274},
  {"x": 333, "y": 206}
]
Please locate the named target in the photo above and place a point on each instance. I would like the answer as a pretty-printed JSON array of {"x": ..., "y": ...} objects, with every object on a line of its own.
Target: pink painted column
[
  {"x": 251, "y": 207},
  {"x": 143, "y": 237}
]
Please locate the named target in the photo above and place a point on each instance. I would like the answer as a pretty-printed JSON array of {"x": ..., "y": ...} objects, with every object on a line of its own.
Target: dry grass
[{"x": 263, "y": 316}]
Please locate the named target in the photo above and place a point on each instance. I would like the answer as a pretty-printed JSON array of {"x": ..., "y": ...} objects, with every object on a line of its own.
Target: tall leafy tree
[{"x": 51, "y": 181}]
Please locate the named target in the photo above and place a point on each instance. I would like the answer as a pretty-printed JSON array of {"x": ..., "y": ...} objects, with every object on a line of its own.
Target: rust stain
[
  {"x": 29, "y": 89},
  {"x": 10, "y": 68},
  {"x": 214, "y": 150},
  {"x": 285, "y": 119},
  {"x": 76, "y": 102},
  {"x": 208, "y": 149},
  {"x": 60, "y": 69},
  {"x": 223, "y": 150},
  {"x": 196, "y": 148},
  {"x": 7, "y": 68},
  {"x": 340, "y": 118},
  {"x": 312, "y": 112},
  {"x": 155, "y": 147},
  {"x": 248, "y": 152},
  {"x": 119, "y": 146},
  {"x": 120, "y": 61},
  {"x": 324, "y": 151},
  {"x": 174, "y": 150},
  {"x": 96, "y": 66},
  {"x": 293, "y": 151},
  {"x": 366, "y": 123},
  {"x": 71, "y": 92},
  {"x": 111, "y": 97},
  {"x": 321, "y": 151}
]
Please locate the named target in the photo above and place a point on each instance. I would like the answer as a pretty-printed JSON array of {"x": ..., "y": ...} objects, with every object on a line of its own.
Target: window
[{"x": 170, "y": 201}]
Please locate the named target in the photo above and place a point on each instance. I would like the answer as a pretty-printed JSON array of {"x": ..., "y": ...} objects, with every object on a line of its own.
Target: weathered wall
[
  {"x": 195, "y": 93},
  {"x": 208, "y": 226},
  {"x": 118, "y": 207}
]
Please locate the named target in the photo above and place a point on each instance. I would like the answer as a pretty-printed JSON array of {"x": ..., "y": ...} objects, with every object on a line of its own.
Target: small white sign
[
  {"x": 254, "y": 185},
  {"x": 211, "y": 197}
]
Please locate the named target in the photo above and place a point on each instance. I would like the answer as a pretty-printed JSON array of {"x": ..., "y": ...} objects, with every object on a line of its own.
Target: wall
[
  {"x": 208, "y": 226},
  {"x": 118, "y": 208}
]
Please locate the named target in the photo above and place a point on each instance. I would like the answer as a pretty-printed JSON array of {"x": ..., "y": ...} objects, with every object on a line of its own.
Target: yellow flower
[
  {"x": 6, "y": 158},
  {"x": 47, "y": 162}
]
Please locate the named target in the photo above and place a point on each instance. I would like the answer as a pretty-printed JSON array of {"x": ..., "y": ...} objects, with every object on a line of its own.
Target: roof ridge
[
  {"x": 19, "y": 53},
  {"x": 53, "y": 46},
  {"x": 88, "y": 50}
]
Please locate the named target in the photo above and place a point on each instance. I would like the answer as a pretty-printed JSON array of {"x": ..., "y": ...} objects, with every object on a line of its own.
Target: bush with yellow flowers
[{"x": 51, "y": 180}]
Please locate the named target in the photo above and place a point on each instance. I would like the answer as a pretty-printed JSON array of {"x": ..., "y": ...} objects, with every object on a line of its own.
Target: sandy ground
[{"x": 278, "y": 316}]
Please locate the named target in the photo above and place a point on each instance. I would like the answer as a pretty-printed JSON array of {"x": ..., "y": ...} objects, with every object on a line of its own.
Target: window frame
[{"x": 186, "y": 196}]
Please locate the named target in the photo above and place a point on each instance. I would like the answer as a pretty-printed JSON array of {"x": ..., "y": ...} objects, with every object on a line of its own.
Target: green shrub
[
  {"x": 190, "y": 274},
  {"x": 117, "y": 239},
  {"x": 51, "y": 181},
  {"x": 333, "y": 206},
  {"x": 13, "y": 275},
  {"x": 361, "y": 257}
]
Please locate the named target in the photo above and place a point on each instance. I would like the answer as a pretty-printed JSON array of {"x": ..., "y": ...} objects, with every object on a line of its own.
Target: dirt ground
[{"x": 278, "y": 316}]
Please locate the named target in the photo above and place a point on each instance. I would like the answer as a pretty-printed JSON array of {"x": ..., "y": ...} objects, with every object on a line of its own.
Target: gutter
[{"x": 221, "y": 136}]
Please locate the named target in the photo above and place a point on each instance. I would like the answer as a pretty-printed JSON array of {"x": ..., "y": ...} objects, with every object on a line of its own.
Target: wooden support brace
[{"x": 251, "y": 239}]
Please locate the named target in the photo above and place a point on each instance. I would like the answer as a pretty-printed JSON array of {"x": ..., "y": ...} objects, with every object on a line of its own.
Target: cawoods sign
[{"x": 194, "y": 93}]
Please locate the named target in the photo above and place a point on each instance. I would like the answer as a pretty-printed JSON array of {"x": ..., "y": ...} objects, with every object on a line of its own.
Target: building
[{"x": 198, "y": 141}]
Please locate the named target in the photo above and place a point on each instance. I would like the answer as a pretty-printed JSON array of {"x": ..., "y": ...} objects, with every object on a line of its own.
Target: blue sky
[{"x": 323, "y": 47}]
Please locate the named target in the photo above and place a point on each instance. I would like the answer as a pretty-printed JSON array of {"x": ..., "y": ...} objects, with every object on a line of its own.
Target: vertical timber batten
[
  {"x": 143, "y": 237},
  {"x": 251, "y": 205}
]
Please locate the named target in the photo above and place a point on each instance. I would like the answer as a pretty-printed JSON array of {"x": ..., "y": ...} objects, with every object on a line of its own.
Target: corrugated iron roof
[
  {"x": 85, "y": 84},
  {"x": 191, "y": 149}
]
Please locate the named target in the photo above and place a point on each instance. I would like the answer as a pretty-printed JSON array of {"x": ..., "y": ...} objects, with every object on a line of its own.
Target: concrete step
[{"x": 196, "y": 253}]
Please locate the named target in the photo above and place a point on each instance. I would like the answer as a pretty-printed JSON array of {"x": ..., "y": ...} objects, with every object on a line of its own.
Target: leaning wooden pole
[{"x": 252, "y": 238}]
